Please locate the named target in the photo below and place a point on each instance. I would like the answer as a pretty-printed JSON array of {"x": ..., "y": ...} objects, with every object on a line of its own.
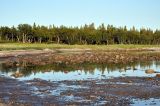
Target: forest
[{"x": 87, "y": 34}]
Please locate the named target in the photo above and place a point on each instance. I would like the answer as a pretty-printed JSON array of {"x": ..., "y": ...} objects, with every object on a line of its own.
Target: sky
[{"x": 138, "y": 13}]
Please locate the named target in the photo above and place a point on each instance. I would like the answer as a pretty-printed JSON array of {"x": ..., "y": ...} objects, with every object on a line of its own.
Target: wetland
[{"x": 80, "y": 77}]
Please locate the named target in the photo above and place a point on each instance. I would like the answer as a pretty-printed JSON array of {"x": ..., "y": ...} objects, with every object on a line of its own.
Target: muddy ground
[{"x": 112, "y": 92}]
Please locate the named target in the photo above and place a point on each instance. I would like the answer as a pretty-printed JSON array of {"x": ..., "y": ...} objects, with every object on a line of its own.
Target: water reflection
[
  {"x": 79, "y": 71},
  {"x": 148, "y": 102}
]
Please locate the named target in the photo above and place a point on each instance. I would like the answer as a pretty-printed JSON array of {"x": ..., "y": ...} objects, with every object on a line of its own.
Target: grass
[{"x": 38, "y": 46}]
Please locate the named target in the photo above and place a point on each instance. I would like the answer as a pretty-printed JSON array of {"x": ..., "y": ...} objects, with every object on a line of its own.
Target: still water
[{"x": 86, "y": 71}]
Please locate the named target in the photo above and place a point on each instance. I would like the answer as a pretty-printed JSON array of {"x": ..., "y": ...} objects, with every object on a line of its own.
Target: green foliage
[{"x": 87, "y": 34}]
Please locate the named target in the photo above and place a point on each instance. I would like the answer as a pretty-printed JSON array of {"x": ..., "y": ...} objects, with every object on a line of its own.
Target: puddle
[
  {"x": 54, "y": 91},
  {"x": 70, "y": 98},
  {"x": 148, "y": 102},
  {"x": 120, "y": 83},
  {"x": 81, "y": 72}
]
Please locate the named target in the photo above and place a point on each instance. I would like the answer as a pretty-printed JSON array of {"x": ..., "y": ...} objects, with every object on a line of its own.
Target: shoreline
[
  {"x": 77, "y": 56},
  {"x": 120, "y": 90}
]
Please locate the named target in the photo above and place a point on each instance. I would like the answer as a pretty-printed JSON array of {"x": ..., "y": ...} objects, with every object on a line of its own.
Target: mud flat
[
  {"x": 116, "y": 92},
  {"x": 75, "y": 56},
  {"x": 113, "y": 91}
]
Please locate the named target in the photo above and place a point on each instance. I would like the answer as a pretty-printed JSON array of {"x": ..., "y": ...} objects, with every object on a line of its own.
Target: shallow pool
[{"x": 81, "y": 71}]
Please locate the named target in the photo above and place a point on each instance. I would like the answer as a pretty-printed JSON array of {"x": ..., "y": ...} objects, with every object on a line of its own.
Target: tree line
[{"x": 87, "y": 34}]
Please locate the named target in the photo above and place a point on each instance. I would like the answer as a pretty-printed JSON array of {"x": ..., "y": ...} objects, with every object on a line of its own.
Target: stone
[
  {"x": 149, "y": 71},
  {"x": 158, "y": 75},
  {"x": 17, "y": 75},
  {"x": 46, "y": 49},
  {"x": 135, "y": 68},
  {"x": 17, "y": 64}
]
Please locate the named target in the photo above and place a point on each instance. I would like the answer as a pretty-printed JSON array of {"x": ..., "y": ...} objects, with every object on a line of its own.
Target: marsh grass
[{"x": 38, "y": 46}]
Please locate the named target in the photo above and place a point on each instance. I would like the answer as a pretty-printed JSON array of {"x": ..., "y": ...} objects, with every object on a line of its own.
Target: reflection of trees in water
[
  {"x": 85, "y": 67},
  {"x": 149, "y": 64},
  {"x": 157, "y": 64}
]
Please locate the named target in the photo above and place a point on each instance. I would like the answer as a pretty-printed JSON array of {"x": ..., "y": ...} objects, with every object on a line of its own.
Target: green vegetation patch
[{"x": 41, "y": 46}]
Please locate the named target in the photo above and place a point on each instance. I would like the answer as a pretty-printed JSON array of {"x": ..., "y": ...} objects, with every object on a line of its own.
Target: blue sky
[{"x": 138, "y": 13}]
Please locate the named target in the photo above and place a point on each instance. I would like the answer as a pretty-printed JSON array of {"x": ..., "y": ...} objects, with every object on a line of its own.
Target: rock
[
  {"x": 17, "y": 64},
  {"x": 117, "y": 56},
  {"x": 135, "y": 68},
  {"x": 17, "y": 74},
  {"x": 93, "y": 96},
  {"x": 149, "y": 79},
  {"x": 65, "y": 72},
  {"x": 46, "y": 49},
  {"x": 158, "y": 75},
  {"x": 129, "y": 81},
  {"x": 15, "y": 55},
  {"x": 149, "y": 71}
]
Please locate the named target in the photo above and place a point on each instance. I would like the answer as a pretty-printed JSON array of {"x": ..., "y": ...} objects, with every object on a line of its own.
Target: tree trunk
[
  {"x": 40, "y": 40},
  {"x": 80, "y": 40},
  {"x": 58, "y": 39},
  {"x": 23, "y": 38},
  {"x": 12, "y": 37},
  {"x": 17, "y": 38}
]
